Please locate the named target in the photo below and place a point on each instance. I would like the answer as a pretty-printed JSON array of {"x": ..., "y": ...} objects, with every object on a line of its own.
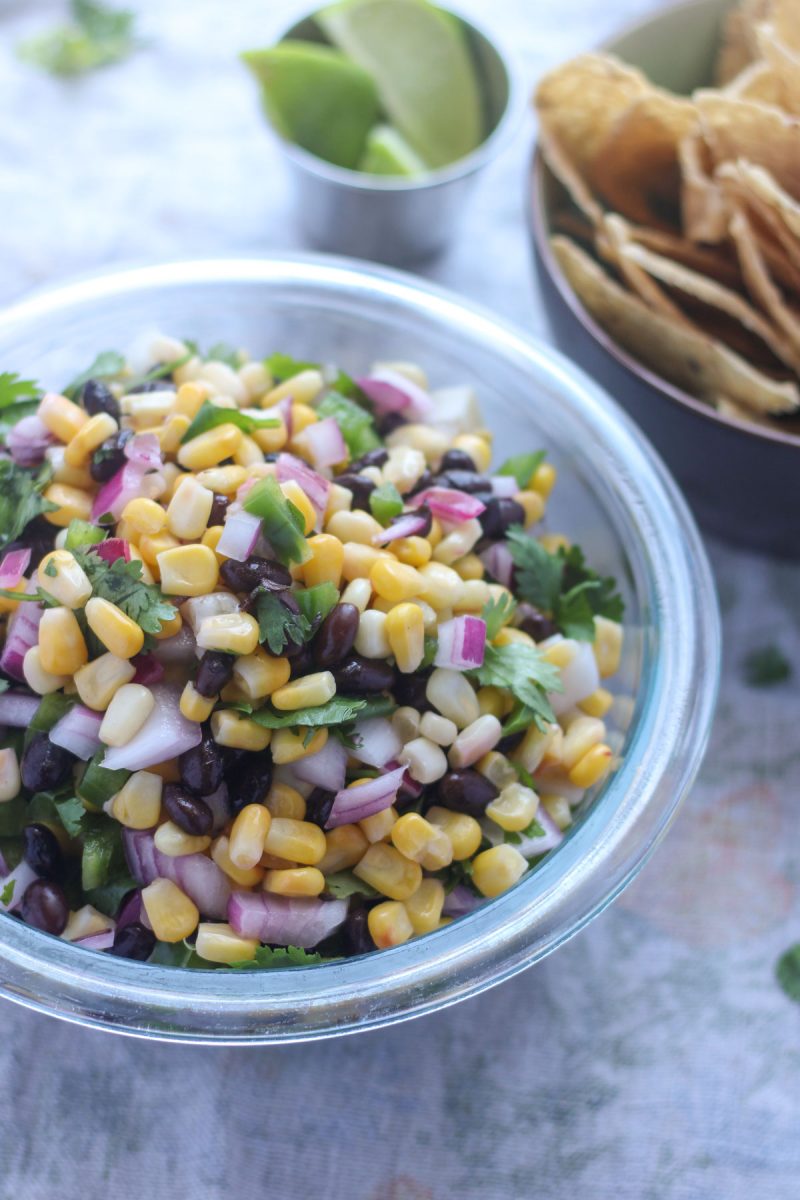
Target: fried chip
[
  {"x": 756, "y": 132},
  {"x": 714, "y": 261},
  {"x": 759, "y": 82},
  {"x": 784, "y": 16},
  {"x": 569, "y": 178},
  {"x": 703, "y": 204},
  {"x": 784, "y": 65},
  {"x": 612, "y": 239},
  {"x": 759, "y": 281},
  {"x": 739, "y": 45},
  {"x": 686, "y": 357},
  {"x": 777, "y": 214}
]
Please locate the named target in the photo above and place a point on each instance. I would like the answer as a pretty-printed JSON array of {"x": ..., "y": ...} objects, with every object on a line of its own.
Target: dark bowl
[{"x": 743, "y": 481}]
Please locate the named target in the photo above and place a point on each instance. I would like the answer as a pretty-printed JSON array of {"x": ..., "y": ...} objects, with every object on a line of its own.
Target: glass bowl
[{"x": 614, "y": 497}]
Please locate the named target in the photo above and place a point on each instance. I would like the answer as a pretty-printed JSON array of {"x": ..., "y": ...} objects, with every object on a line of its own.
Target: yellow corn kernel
[
  {"x": 144, "y": 516},
  {"x": 579, "y": 736},
  {"x": 464, "y": 832},
  {"x": 345, "y": 846},
  {"x": 151, "y": 545},
  {"x": 514, "y": 809},
  {"x": 442, "y": 586},
  {"x": 171, "y": 474},
  {"x": 299, "y": 841},
  {"x": 211, "y": 538},
  {"x": 285, "y": 801},
  {"x": 190, "y": 398},
  {"x": 61, "y": 575},
  {"x": 561, "y": 653},
  {"x": 189, "y": 509},
  {"x": 411, "y": 834},
  {"x": 378, "y": 827},
  {"x": 218, "y": 942},
  {"x": 248, "y": 452},
  {"x": 405, "y": 629},
  {"x": 249, "y": 835},
  {"x": 593, "y": 767},
  {"x": 558, "y": 808},
  {"x": 78, "y": 477},
  {"x": 127, "y": 712},
  {"x": 552, "y": 753},
  {"x": 147, "y": 411},
  {"x": 424, "y": 908},
  {"x": 224, "y": 480},
  {"x": 294, "y": 493},
  {"x": 509, "y": 637},
  {"x": 389, "y": 924},
  {"x": 302, "y": 416},
  {"x": 189, "y": 570},
  {"x": 340, "y": 499},
  {"x": 608, "y": 636},
  {"x": 173, "y": 841},
  {"x": 137, "y": 804},
  {"x": 232, "y": 633},
  {"x": 357, "y": 526},
  {"x": 532, "y": 504},
  {"x": 169, "y": 771},
  {"x": 99, "y": 681},
  {"x": 288, "y": 746},
  {"x": 436, "y": 533},
  {"x": 91, "y": 434},
  {"x": 358, "y": 560},
  {"x": 258, "y": 674},
  {"x": 597, "y": 703},
  {"x": 389, "y": 872},
  {"x": 230, "y": 728},
  {"x": 429, "y": 441},
  {"x": 232, "y": 694},
  {"x": 395, "y": 581},
  {"x": 358, "y": 592},
  {"x": 495, "y": 767},
  {"x": 10, "y": 781},
  {"x": 553, "y": 542},
  {"x": 246, "y": 877},
  {"x": 413, "y": 551},
  {"x": 490, "y": 700},
  {"x": 325, "y": 563},
  {"x": 62, "y": 649},
  {"x": 37, "y": 679},
  {"x": 270, "y": 441},
  {"x": 543, "y": 479},
  {"x": 475, "y": 595},
  {"x": 306, "y": 692},
  {"x": 72, "y": 504},
  {"x": 169, "y": 628},
  {"x": 302, "y": 388},
  {"x": 469, "y": 567},
  {"x": 210, "y": 448},
  {"x": 171, "y": 913},
  {"x": 272, "y": 862},
  {"x": 84, "y": 922},
  {"x": 61, "y": 417},
  {"x": 295, "y": 881},
  {"x": 531, "y": 750},
  {"x": 171, "y": 433},
  {"x": 114, "y": 628},
  {"x": 195, "y": 707},
  {"x": 496, "y": 870},
  {"x": 476, "y": 447}
]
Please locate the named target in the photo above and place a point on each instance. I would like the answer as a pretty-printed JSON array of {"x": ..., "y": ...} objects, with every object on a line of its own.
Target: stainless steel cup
[{"x": 396, "y": 220}]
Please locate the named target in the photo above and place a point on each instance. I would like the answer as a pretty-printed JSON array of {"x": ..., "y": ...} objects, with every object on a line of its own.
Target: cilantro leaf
[
  {"x": 563, "y": 585},
  {"x": 13, "y": 389},
  {"x": 70, "y": 812},
  {"x": 787, "y": 972},
  {"x": 316, "y": 602},
  {"x": 120, "y": 583},
  {"x": 523, "y": 775},
  {"x": 337, "y": 711},
  {"x": 533, "y": 830},
  {"x": 602, "y": 592},
  {"x": 268, "y": 957},
  {"x": 282, "y": 366},
  {"x": 574, "y": 613},
  {"x": 523, "y": 467},
  {"x": 211, "y": 415},
  {"x": 526, "y": 673},
  {"x": 7, "y": 894},
  {"x": 539, "y": 574},
  {"x": 430, "y": 647},
  {"x": 344, "y": 883},
  {"x": 96, "y": 37},
  {"x": 159, "y": 371},
  {"x": 766, "y": 666},
  {"x": 278, "y": 625},
  {"x": 21, "y": 499},
  {"x": 496, "y": 613},
  {"x": 107, "y": 365},
  {"x": 457, "y": 873},
  {"x": 224, "y": 353},
  {"x": 356, "y": 425}
]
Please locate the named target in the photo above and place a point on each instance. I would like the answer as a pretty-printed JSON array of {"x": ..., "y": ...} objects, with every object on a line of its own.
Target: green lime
[
  {"x": 419, "y": 57},
  {"x": 315, "y": 96},
  {"x": 388, "y": 153}
]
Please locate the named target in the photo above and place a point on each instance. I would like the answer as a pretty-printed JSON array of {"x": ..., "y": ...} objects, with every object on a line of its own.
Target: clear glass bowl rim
[{"x": 519, "y": 928}]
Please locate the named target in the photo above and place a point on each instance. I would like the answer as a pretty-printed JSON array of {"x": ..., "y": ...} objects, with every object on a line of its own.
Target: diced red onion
[
  {"x": 148, "y": 669},
  {"x": 28, "y": 441},
  {"x": 408, "y": 786},
  {"x": 356, "y": 803},
  {"x": 390, "y": 391},
  {"x": 240, "y": 533},
  {"x": 21, "y": 634},
  {"x": 132, "y": 908},
  {"x": 17, "y": 709},
  {"x": 499, "y": 563},
  {"x": 165, "y": 734},
  {"x": 449, "y": 504},
  {"x": 144, "y": 450},
  {"x": 140, "y": 855},
  {"x": 325, "y": 443},
  {"x": 315, "y": 486},
  {"x": 180, "y": 648},
  {"x": 198, "y": 876},
  {"x": 504, "y": 486},
  {"x": 22, "y": 877},
  {"x": 376, "y": 741},
  {"x": 460, "y": 901},
  {"x": 326, "y": 768},
  {"x": 129, "y": 483},
  {"x": 461, "y": 644},
  {"x": 197, "y": 608},
  {"x": 580, "y": 678},
  {"x": 13, "y": 567},
  {"x": 284, "y": 920},
  {"x": 78, "y": 731},
  {"x": 112, "y": 549},
  {"x": 408, "y": 525},
  {"x": 103, "y": 940}
]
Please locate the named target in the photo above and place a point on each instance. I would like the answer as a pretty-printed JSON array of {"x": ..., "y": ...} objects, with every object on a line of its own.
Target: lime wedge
[
  {"x": 419, "y": 58},
  {"x": 388, "y": 153},
  {"x": 316, "y": 97}
]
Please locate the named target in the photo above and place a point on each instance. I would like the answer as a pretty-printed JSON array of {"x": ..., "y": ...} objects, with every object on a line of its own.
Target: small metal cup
[{"x": 397, "y": 220}]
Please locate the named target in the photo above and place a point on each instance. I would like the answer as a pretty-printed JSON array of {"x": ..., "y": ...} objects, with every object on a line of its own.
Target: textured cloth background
[{"x": 654, "y": 1057}]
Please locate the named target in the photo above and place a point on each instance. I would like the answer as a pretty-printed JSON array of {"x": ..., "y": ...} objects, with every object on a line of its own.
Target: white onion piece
[
  {"x": 390, "y": 391},
  {"x": 13, "y": 567},
  {"x": 376, "y": 741},
  {"x": 461, "y": 643},
  {"x": 129, "y": 483},
  {"x": 179, "y": 648},
  {"x": 165, "y": 734},
  {"x": 78, "y": 731},
  {"x": 144, "y": 450},
  {"x": 504, "y": 486},
  {"x": 326, "y": 768},
  {"x": 28, "y": 441},
  {"x": 356, "y": 803},
  {"x": 324, "y": 443},
  {"x": 455, "y": 410},
  {"x": 499, "y": 563},
  {"x": 285, "y": 921},
  {"x": 240, "y": 533},
  {"x": 580, "y": 678},
  {"x": 17, "y": 709}
]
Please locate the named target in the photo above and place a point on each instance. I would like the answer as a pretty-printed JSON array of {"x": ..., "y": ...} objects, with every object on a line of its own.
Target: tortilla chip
[
  {"x": 784, "y": 65},
  {"x": 757, "y": 132},
  {"x": 612, "y": 239},
  {"x": 774, "y": 219},
  {"x": 684, "y": 356},
  {"x": 703, "y": 204},
  {"x": 569, "y": 178},
  {"x": 784, "y": 16},
  {"x": 737, "y": 412},
  {"x": 759, "y": 82},
  {"x": 715, "y": 261},
  {"x": 735, "y": 51},
  {"x": 759, "y": 281},
  {"x": 636, "y": 167}
]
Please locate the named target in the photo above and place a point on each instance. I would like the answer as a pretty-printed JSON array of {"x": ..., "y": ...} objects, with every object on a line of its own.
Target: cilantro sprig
[
  {"x": 211, "y": 415},
  {"x": 523, "y": 467},
  {"x": 107, "y": 365},
  {"x": 526, "y": 673},
  {"x": 121, "y": 583},
  {"x": 270, "y": 957},
  {"x": 21, "y": 499},
  {"x": 338, "y": 711},
  {"x": 278, "y": 625},
  {"x": 495, "y": 613},
  {"x": 97, "y": 36}
]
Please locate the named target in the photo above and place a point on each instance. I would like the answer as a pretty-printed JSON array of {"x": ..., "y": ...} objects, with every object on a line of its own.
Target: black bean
[
  {"x": 318, "y": 806},
  {"x": 152, "y": 385},
  {"x": 356, "y": 936},
  {"x": 41, "y": 851},
  {"x": 255, "y": 573},
  {"x": 466, "y": 791},
  {"x": 301, "y": 660},
  {"x": 219, "y": 507},
  {"x": 363, "y": 675},
  {"x": 38, "y": 537},
  {"x": 457, "y": 460},
  {"x": 387, "y": 423},
  {"x": 425, "y": 481},
  {"x": 133, "y": 941},
  {"x": 249, "y": 780},
  {"x": 410, "y": 689},
  {"x": 499, "y": 515},
  {"x": 188, "y": 812},
  {"x": 373, "y": 458},
  {"x": 336, "y": 634},
  {"x": 96, "y": 398},
  {"x": 44, "y": 766},
  {"x": 44, "y": 906},
  {"x": 214, "y": 673},
  {"x": 109, "y": 458},
  {"x": 509, "y": 743},
  {"x": 201, "y": 767},
  {"x": 465, "y": 481},
  {"x": 424, "y": 512},
  {"x": 361, "y": 487}
]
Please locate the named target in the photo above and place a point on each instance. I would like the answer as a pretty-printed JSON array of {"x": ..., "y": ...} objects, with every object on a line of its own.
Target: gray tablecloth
[{"x": 654, "y": 1057}]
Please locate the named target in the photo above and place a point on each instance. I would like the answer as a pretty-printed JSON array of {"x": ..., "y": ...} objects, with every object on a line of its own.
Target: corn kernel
[
  {"x": 71, "y": 504},
  {"x": 424, "y": 908},
  {"x": 326, "y": 561},
  {"x": 169, "y": 628},
  {"x": 295, "y": 881},
  {"x": 412, "y": 551},
  {"x": 411, "y": 834},
  {"x": 232, "y": 633},
  {"x": 285, "y": 801},
  {"x": 543, "y": 479},
  {"x": 195, "y": 707},
  {"x": 115, "y": 629},
  {"x": 344, "y": 847},
  {"x": 173, "y": 841},
  {"x": 560, "y": 653},
  {"x": 404, "y": 467},
  {"x": 60, "y": 416},
  {"x": 458, "y": 542},
  {"x": 248, "y": 836},
  {"x": 145, "y": 411},
  {"x": 371, "y": 640},
  {"x": 514, "y": 809},
  {"x": 497, "y": 769},
  {"x": 100, "y": 680},
  {"x": 301, "y": 388},
  {"x": 532, "y": 504},
  {"x": 553, "y": 542},
  {"x": 230, "y": 728},
  {"x": 270, "y": 441},
  {"x": 579, "y": 736},
  {"x": 190, "y": 398},
  {"x": 294, "y": 493},
  {"x": 593, "y": 767},
  {"x": 37, "y": 679},
  {"x": 395, "y": 581},
  {"x": 172, "y": 432},
  {"x": 405, "y": 630},
  {"x": 452, "y": 694},
  {"x": 305, "y": 692},
  {"x": 359, "y": 560},
  {"x": 378, "y": 827},
  {"x": 189, "y": 570},
  {"x": 607, "y": 646},
  {"x": 126, "y": 714},
  {"x": 597, "y": 703},
  {"x": 92, "y": 434},
  {"x": 248, "y": 452},
  {"x": 558, "y": 808},
  {"x": 218, "y": 942},
  {"x": 430, "y": 442},
  {"x": 490, "y": 700},
  {"x": 469, "y": 568},
  {"x": 259, "y": 674},
  {"x": 425, "y": 760},
  {"x": 357, "y": 526},
  {"x": 442, "y": 586},
  {"x": 210, "y": 448},
  {"x": 151, "y": 545},
  {"x": 302, "y": 416},
  {"x": 496, "y": 870},
  {"x": 62, "y": 649},
  {"x": 531, "y": 750},
  {"x": 464, "y": 832},
  {"x": 389, "y": 924},
  {"x": 10, "y": 781},
  {"x": 171, "y": 913},
  {"x": 288, "y": 746},
  {"x": 340, "y": 499},
  {"x": 358, "y": 593},
  {"x": 137, "y": 804},
  {"x": 245, "y": 877},
  {"x": 61, "y": 575},
  {"x": 78, "y": 477},
  {"x": 389, "y": 872},
  {"x": 144, "y": 516},
  {"x": 299, "y": 841},
  {"x": 224, "y": 480},
  {"x": 438, "y": 729},
  {"x": 169, "y": 771},
  {"x": 189, "y": 509}
]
